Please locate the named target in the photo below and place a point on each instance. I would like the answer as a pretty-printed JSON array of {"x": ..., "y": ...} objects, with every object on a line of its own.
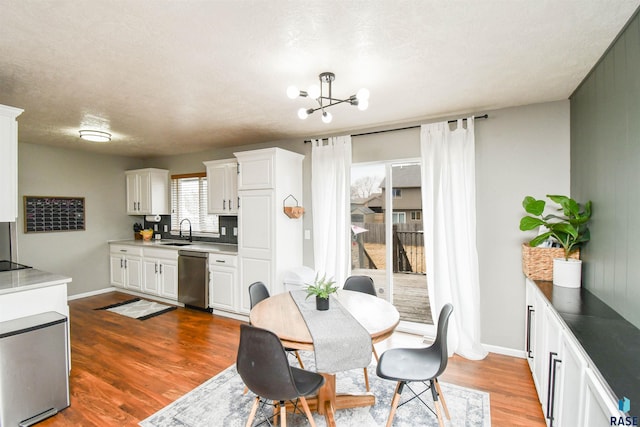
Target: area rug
[
  {"x": 220, "y": 402},
  {"x": 138, "y": 308}
]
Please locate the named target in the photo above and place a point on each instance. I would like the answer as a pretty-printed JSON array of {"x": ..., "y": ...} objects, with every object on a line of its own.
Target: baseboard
[
  {"x": 151, "y": 297},
  {"x": 92, "y": 293},
  {"x": 230, "y": 315},
  {"x": 521, "y": 354}
]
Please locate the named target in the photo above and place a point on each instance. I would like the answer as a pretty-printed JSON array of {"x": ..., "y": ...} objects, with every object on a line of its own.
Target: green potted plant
[
  {"x": 570, "y": 230},
  {"x": 321, "y": 288}
]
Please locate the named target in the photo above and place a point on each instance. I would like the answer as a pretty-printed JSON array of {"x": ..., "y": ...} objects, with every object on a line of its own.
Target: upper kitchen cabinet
[
  {"x": 9, "y": 163},
  {"x": 147, "y": 192},
  {"x": 222, "y": 187},
  {"x": 257, "y": 169}
]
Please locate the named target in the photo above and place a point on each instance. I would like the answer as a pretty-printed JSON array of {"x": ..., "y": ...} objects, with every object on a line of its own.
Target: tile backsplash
[{"x": 227, "y": 224}]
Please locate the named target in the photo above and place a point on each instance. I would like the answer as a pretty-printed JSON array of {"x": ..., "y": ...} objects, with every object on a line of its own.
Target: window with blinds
[{"x": 189, "y": 201}]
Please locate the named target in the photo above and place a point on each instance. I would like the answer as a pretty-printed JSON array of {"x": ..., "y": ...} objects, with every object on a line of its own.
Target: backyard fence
[{"x": 408, "y": 248}]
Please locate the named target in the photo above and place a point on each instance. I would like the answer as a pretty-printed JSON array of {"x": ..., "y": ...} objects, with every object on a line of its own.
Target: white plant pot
[{"x": 567, "y": 273}]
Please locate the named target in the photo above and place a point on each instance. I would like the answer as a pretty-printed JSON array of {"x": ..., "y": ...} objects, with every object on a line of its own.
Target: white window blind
[{"x": 189, "y": 201}]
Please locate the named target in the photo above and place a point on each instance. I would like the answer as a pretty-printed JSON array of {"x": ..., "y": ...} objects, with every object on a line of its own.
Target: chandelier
[{"x": 323, "y": 96}]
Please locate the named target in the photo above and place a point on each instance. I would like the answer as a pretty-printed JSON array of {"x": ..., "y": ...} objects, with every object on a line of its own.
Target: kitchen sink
[{"x": 176, "y": 244}]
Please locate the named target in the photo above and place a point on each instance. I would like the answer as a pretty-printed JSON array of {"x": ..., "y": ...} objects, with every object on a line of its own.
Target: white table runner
[{"x": 340, "y": 342}]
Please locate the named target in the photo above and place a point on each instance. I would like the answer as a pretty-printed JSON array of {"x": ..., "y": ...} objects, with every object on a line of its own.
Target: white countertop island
[
  {"x": 29, "y": 291},
  {"x": 28, "y": 279}
]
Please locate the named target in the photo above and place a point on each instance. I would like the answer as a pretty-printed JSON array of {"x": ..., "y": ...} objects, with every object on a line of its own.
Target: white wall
[
  {"x": 82, "y": 255},
  {"x": 519, "y": 151}
]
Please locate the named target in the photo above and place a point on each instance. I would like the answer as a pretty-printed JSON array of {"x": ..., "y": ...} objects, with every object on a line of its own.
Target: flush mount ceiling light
[
  {"x": 324, "y": 97},
  {"x": 95, "y": 135}
]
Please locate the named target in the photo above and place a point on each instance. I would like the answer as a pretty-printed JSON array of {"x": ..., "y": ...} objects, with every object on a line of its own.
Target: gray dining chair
[
  {"x": 365, "y": 285},
  {"x": 264, "y": 368},
  {"x": 406, "y": 365}
]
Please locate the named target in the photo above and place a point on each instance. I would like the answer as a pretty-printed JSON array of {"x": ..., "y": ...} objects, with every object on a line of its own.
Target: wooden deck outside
[{"x": 410, "y": 294}]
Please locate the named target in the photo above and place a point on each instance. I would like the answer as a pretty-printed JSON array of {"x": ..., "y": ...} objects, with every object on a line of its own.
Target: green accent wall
[{"x": 605, "y": 168}]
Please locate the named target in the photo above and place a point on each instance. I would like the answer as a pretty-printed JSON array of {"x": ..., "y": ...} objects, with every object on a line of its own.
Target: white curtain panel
[
  {"x": 330, "y": 183},
  {"x": 449, "y": 207}
]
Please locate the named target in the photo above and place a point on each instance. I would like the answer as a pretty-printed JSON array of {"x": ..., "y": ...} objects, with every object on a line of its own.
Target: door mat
[
  {"x": 220, "y": 402},
  {"x": 138, "y": 308}
]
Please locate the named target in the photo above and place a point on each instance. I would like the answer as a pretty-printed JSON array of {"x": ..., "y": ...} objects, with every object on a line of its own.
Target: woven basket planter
[{"x": 537, "y": 263}]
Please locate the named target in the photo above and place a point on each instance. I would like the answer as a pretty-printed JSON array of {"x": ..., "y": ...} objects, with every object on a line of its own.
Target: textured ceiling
[{"x": 167, "y": 77}]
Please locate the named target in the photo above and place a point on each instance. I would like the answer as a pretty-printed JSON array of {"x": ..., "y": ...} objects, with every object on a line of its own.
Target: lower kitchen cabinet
[
  {"x": 223, "y": 289},
  {"x": 570, "y": 392},
  {"x": 161, "y": 273},
  {"x": 126, "y": 267}
]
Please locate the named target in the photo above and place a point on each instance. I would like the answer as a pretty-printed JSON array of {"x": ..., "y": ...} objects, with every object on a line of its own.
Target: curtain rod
[{"x": 484, "y": 116}]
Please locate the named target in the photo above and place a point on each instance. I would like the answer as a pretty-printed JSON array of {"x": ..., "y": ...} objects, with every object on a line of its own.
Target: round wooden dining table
[{"x": 280, "y": 314}]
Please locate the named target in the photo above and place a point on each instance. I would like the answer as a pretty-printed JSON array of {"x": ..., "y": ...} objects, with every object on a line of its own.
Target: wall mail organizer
[
  {"x": 292, "y": 211},
  {"x": 50, "y": 214}
]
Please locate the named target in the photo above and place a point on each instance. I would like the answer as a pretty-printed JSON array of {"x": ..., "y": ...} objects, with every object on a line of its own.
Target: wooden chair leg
[
  {"x": 246, "y": 390},
  {"x": 366, "y": 379},
  {"x": 299, "y": 359},
  {"x": 444, "y": 404},
  {"x": 252, "y": 414},
  {"x": 307, "y": 412},
  {"x": 276, "y": 413},
  {"x": 394, "y": 402},
  {"x": 283, "y": 414},
  {"x": 375, "y": 353},
  {"x": 438, "y": 413}
]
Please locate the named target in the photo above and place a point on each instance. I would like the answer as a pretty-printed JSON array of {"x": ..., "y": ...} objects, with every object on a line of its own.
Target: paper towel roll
[{"x": 151, "y": 218}]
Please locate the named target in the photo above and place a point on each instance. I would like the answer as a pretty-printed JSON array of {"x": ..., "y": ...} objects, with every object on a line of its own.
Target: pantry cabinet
[
  {"x": 269, "y": 242},
  {"x": 222, "y": 187},
  {"x": 9, "y": 163},
  {"x": 147, "y": 191}
]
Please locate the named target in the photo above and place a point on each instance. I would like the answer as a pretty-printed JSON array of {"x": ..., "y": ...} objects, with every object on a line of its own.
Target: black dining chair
[
  {"x": 365, "y": 285},
  {"x": 258, "y": 292},
  {"x": 264, "y": 368},
  {"x": 406, "y": 365},
  {"x": 362, "y": 284}
]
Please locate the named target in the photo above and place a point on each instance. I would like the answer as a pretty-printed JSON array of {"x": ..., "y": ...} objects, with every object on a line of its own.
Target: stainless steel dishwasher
[{"x": 193, "y": 279}]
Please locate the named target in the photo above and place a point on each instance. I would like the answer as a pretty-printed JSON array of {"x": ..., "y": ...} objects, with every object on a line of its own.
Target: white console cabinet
[
  {"x": 571, "y": 391},
  {"x": 222, "y": 187},
  {"x": 269, "y": 242},
  {"x": 9, "y": 163},
  {"x": 147, "y": 191}
]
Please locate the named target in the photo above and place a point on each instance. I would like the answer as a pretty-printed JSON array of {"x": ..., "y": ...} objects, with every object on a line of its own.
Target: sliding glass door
[{"x": 388, "y": 239}]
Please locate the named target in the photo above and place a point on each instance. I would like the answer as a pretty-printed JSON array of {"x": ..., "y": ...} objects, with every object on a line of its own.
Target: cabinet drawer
[
  {"x": 220, "y": 260},
  {"x": 125, "y": 250},
  {"x": 168, "y": 253}
]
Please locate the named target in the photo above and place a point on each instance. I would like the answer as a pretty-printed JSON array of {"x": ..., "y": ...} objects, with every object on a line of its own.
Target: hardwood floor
[{"x": 124, "y": 370}]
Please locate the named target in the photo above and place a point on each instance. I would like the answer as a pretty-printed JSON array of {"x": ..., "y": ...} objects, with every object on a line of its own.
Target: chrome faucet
[{"x": 180, "y": 226}]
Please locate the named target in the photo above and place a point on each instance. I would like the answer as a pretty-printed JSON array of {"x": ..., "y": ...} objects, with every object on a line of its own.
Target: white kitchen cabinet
[
  {"x": 269, "y": 242},
  {"x": 126, "y": 267},
  {"x": 161, "y": 272},
  {"x": 223, "y": 289},
  {"x": 9, "y": 163},
  {"x": 147, "y": 191},
  {"x": 222, "y": 187},
  {"x": 570, "y": 391}
]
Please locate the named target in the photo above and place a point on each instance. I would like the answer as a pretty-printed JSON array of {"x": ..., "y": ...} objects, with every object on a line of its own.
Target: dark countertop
[{"x": 612, "y": 342}]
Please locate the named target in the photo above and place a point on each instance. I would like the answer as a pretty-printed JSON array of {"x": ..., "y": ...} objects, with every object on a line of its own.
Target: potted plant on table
[
  {"x": 570, "y": 230},
  {"x": 321, "y": 288}
]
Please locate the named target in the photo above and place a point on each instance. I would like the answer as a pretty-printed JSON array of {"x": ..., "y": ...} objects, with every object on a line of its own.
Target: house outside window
[
  {"x": 397, "y": 193},
  {"x": 189, "y": 201},
  {"x": 416, "y": 215},
  {"x": 399, "y": 217}
]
